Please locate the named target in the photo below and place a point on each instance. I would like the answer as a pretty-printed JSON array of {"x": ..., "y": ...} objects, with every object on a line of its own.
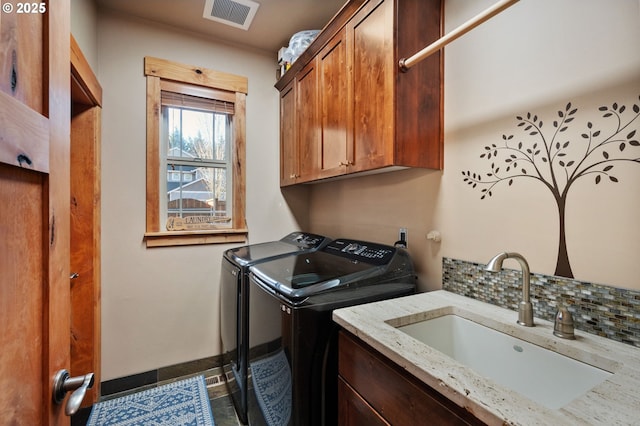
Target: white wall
[
  {"x": 160, "y": 306},
  {"x": 84, "y": 29},
  {"x": 535, "y": 57}
]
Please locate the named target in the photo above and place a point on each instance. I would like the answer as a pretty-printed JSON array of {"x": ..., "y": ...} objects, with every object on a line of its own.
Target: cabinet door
[
  {"x": 391, "y": 391},
  {"x": 335, "y": 97},
  {"x": 371, "y": 45},
  {"x": 307, "y": 118},
  {"x": 355, "y": 411},
  {"x": 288, "y": 141}
]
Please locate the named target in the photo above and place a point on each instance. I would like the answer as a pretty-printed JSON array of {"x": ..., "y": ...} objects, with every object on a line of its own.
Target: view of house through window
[{"x": 197, "y": 175}]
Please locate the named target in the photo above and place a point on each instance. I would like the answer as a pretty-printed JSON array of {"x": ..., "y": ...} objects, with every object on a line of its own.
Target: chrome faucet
[{"x": 525, "y": 309}]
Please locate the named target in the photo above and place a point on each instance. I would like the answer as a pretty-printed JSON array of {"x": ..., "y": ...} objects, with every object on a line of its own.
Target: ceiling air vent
[{"x": 236, "y": 13}]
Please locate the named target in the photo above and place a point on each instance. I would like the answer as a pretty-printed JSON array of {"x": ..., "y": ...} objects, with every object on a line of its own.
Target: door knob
[{"x": 63, "y": 383}]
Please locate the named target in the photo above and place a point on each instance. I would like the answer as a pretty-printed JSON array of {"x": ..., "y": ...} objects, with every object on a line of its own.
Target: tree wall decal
[{"x": 558, "y": 163}]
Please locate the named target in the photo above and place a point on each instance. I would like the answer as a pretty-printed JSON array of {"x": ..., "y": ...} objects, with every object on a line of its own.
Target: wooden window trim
[{"x": 161, "y": 72}]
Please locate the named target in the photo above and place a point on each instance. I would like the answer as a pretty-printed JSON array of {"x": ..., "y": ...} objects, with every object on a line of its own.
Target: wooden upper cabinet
[
  {"x": 288, "y": 136},
  {"x": 371, "y": 47},
  {"x": 335, "y": 99},
  {"x": 308, "y": 123},
  {"x": 369, "y": 115}
]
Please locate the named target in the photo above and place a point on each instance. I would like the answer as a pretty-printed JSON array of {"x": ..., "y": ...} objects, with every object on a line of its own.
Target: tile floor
[{"x": 221, "y": 405}]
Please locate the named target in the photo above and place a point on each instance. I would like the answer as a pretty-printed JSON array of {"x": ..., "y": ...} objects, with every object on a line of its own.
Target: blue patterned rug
[
  {"x": 179, "y": 403},
  {"x": 271, "y": 379}
]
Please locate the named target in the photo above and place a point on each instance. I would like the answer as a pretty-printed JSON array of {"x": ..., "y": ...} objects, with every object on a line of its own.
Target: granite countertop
[{"x": 616, "y": 401}]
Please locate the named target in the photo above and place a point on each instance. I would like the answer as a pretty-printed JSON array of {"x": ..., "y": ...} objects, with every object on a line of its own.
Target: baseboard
[{"x": 149, "y": 378}]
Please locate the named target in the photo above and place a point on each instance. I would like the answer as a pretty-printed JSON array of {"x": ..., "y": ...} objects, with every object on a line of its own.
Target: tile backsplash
[{"x": 598, "y": 309}]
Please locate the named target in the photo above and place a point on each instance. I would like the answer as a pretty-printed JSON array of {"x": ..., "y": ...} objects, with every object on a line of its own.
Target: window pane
[
  {"x": 174, "y": 131},
  {"x": 222, "y": 136},
  {"x": 197, "y": 191},
  {"x": 197, "y": 134}
]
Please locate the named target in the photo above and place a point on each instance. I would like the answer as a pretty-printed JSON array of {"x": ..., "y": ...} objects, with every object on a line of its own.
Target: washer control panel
[{"x": 362, "y": 251}]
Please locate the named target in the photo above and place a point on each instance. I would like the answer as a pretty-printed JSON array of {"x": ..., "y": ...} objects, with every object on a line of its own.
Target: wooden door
[
  {"x": 371, "y": 46},
  {"x": 86, "y": 96},
  {"x": 34, "y": 210},
  {"x": 288, "y": 136},
  {"x": 308, "y": 123},
  {"x": 336, "y": 118}
]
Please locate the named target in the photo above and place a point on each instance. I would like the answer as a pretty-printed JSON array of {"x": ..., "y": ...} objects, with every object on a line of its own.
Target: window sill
[{"x": 187, "y": 238}]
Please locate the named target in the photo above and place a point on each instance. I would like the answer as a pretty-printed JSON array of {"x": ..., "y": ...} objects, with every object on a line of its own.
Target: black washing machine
[
  {"x": 234, "y": 303},
  {"x": 292, "y": 357}
]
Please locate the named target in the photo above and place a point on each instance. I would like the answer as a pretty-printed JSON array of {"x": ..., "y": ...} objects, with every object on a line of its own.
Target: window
[{"x": 195, "y": 155}]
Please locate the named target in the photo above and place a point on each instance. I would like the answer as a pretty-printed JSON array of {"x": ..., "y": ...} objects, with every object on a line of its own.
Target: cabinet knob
[{"x": 348, "y": 163}]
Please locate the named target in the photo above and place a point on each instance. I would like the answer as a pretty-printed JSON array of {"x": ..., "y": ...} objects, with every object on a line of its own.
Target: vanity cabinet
[
  {"x": 372, "y": 390},
  {"x": 355, "y": 110}
]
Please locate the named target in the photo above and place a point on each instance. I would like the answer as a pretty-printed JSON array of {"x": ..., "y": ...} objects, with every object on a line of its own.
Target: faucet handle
[{"x": 563, "y": 326}]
